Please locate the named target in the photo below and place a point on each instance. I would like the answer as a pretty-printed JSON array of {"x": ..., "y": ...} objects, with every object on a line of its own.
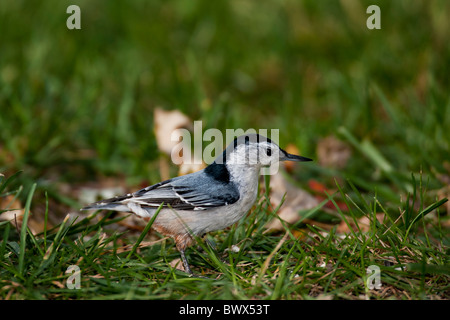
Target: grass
[
  {"x": 77, "y": 110},
  {"x": 306, "y": 264}
]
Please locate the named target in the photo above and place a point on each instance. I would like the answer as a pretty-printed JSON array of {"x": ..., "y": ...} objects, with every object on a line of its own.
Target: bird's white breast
[{"x": 246, "y": 180}]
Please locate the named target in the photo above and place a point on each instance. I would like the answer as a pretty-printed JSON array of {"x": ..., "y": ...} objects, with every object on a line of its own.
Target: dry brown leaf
[
  {"x": 14, "y": 213},
  {"x": 363, "y": 223},
  {"x": 13, "y": 205},
  {"x": 177, "y": 263},
  {"x": 59, "y": 284},
  {"x": 296, "y": 200},
  {"x": 321, "y": 192},
  {"x": 167, "y": 123},
  {"x": 333, "y": 153}
]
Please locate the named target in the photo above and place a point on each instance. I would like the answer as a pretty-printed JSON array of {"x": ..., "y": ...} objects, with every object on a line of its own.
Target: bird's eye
[{"x": 269, "y": 152}]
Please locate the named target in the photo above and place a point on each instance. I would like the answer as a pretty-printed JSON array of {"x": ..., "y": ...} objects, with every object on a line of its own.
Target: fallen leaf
[
  {"x": 177, "y": 263},
  {"x": 320, "y": 193},
  {"x": 296, "y": 200},
  {"x": 333, "y": 153},
  {"x": 168, "y": 123},
  {"x": 59, "y": 284},
  {"x": 363, "y": 223},
  {"x": 14, "y": 212}
]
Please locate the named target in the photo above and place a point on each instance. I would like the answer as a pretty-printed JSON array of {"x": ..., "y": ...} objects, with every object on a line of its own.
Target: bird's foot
[{"x": 188, "y": 270}]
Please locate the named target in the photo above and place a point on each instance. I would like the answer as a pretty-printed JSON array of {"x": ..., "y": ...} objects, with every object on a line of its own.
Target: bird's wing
[{"x": 186, "y": 194}]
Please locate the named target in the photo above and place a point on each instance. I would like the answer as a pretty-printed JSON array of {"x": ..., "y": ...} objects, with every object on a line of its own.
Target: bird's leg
[
  {"x": 185, "y": 262},
  {"x": 182, "y": 243},
  {"x": 187, "y": 268}
]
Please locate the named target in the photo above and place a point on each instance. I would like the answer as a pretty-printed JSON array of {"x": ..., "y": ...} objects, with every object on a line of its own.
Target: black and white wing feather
[{"x": 197, "y": 191}]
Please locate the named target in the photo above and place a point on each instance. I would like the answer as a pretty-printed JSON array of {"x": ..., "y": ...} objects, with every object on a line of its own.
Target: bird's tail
[
  {"x": 108, "y": 204},
  {"x": 115, "y": 204},
  {"x": 119, "y": 204}
]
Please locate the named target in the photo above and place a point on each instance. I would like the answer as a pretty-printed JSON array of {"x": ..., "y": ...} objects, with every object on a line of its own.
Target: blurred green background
[{"x": 77, "y": 105}]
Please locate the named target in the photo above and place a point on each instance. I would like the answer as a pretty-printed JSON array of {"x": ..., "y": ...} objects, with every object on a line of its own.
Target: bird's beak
[{"x": 293, "y": 157}]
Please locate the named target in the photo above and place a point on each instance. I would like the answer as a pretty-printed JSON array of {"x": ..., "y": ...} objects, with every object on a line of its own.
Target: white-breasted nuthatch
[{"x": 207, "y": 200}]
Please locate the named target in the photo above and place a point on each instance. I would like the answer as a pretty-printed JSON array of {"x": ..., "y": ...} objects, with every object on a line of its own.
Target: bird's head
[{"x": 256, "y": 150}]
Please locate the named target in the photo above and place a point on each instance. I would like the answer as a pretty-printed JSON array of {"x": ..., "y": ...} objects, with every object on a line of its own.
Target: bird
[{"x": 207, "y": 200}]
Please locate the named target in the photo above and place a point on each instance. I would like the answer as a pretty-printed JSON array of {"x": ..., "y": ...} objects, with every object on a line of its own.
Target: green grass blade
[
  {"x": 3, "y": 185},
  {"x": 344, "y": 198},
  {"x": 424, "y": 212},
  {"x": 144, "y": 232},
  {"x": 23, "y": 231},
  {"x": 45, "y": 221},
  {"x": 5, "y": 239}
]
